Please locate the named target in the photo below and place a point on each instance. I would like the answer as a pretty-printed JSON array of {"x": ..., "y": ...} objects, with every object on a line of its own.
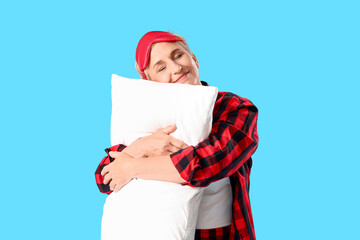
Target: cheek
[
  {"x": 165, "y": 78},
  {"x": 151, "y": 76},
  {"x": 195, "y": 69},
  {"x": 188, "y": 60},
  {"x": 160, "y": 77},
  {"x": 192, "y": 63}
]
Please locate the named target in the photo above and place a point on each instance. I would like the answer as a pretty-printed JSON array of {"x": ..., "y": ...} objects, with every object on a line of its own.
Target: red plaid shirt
[{"x": 225, "y": 153}]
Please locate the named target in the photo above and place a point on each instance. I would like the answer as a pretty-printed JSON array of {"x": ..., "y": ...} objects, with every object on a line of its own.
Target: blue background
[{"x": 298, "y": 61}]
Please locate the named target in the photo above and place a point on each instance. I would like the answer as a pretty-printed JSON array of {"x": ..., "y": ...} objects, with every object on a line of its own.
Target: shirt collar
[{"x": 204, "y": 83}]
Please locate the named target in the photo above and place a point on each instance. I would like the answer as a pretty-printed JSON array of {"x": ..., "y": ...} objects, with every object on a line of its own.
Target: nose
[
  {"x": 176, "y": 68},
  {"x": 180, "y": 68}
]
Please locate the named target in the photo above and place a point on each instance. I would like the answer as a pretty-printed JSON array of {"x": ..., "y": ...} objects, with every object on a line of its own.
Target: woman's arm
[
  {"x": 231, "y": 143},
  {"x": 124, "y": 168},
  {"x": 158, "y": 144}
]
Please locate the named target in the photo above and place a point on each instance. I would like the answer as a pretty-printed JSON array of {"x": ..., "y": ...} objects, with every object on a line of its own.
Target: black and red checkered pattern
[
  {"x": 222, "y": 233},
  {"x": 225, "y": 153},
  {"x": 105, "y": 188}
]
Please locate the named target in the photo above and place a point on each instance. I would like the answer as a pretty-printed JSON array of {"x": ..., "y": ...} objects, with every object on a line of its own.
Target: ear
[{"x": 196, "y": 61}]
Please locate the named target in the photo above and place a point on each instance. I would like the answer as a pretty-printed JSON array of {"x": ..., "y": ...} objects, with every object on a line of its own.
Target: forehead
[{"x": 163, "y": 50}]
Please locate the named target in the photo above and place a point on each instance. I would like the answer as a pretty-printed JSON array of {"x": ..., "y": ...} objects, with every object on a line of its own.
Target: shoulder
[{"x": 231, "y": 107}]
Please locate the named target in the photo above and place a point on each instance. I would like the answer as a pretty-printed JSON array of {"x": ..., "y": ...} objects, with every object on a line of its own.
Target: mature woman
[{"x": 224, "y": 158}]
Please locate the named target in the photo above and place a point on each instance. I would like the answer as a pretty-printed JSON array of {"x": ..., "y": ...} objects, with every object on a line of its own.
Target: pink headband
[{"x": 144, "y": 47}]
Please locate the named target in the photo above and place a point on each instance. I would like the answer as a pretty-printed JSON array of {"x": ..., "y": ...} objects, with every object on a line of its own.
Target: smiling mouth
[{"x": 182, "y": 76}]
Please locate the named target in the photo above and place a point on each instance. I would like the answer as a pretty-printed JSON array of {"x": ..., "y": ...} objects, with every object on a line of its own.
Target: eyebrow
[{"x": 172, "y": 53}]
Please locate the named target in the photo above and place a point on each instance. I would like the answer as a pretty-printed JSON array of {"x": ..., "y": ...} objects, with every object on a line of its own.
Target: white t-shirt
[{"x": 216, "y": 205}]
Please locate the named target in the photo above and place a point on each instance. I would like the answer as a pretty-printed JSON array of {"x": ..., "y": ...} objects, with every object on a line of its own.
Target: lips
[{"x": 182, "y": 76}]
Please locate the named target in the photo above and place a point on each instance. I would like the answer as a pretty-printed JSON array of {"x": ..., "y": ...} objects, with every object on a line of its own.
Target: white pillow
[{"x": 145, "y": 209}]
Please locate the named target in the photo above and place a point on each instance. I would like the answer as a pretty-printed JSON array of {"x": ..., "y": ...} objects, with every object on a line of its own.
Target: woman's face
[{"x": 170, "y": 62}]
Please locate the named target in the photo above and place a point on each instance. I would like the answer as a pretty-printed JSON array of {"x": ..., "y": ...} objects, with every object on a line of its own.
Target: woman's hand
[
  {"x": 158, "y": 144},
  {"x": 118, "y": 173}
]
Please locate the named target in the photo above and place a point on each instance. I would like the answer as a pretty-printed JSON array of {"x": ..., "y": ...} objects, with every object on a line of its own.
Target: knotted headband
[{"x": 144, "y": 47}]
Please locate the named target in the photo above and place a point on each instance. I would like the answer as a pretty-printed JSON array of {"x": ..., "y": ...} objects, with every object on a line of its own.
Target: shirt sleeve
[
  {"x": 105, "y": 188},
  {"x": 232, "y": 141}
]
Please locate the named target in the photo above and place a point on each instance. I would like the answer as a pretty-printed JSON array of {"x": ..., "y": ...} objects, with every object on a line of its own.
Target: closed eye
[
  {"x": 161, "y": 68},
  {"x": 177, "y": 56}
]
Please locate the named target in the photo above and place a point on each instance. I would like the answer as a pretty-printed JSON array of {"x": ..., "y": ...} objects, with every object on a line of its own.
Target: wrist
[
  {"x": 135, "y": 167},
  {"x": 155, "y": 168},
  {"x": 128, "y": 151},
  {"x": 134, "y": 150}
]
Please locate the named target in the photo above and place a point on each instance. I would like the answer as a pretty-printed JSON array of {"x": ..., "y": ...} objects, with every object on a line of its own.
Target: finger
[
  {"x": 184, "y": 146},
  {"x": 176, "y": 142},
  {"x": 112, "y": 185},
  {"x": 125, "y": 154},
  {"x": 170, "y": 152},
  {"x": 172, "y": 149},
  {"x": 169, "y": 129},
  {"x": 118, "y": 187},
  {"x": 114, "y": 154},
  {"x": 107, "y": 179},
  {"x": 105, "y": 170}
]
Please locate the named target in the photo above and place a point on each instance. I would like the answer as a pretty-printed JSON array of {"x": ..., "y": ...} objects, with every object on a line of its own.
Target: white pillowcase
[
  {"x": 141, "y": 107},
  {"x": 146, "y": 209}
]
